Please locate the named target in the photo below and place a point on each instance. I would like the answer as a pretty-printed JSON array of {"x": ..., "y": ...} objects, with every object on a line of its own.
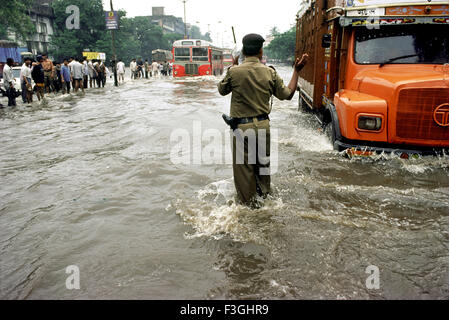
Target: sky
[{"x": 247, "y": 16}]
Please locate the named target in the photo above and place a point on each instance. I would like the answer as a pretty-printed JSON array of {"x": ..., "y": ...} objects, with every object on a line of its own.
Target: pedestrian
[
  {"x": 103, "y": 74},
  {"x": 85, "y": 72},
  {"x": 121, "y": 71},
  {"x": 170, "y": 68},
  {"x": 100, "y": 68},
  {"x": 147, "y": 66},
  {"x": 71, "y": 63},
  {"x": 252, "y": 84},
  {"x": 107, "y": 74},
  {"x": 133, "y": 68},
  {"x": 8, "y": 82},
  {"x": 160, "y": 69},
  {"x": 37, "y": 73},
  {"x": 57, "y": 79},
  {"x": 66, "y": 77},
  {"x": 77, "y": 75},
  {"x": 140, "y": 73},
  {"x": 48, "y": 66},
  {"x": 92, "y": 73},
  {"x": 25, "y": 79},
  {"x": 155, "y": 67},
  {"x": 165, "y": 68}
]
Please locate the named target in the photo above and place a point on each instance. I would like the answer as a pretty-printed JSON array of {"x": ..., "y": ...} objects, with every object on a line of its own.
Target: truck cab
[{"x": 380, "y": 77}]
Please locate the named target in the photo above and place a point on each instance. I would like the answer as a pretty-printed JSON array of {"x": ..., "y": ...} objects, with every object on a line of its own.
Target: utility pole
[
  {"x": 114, "y": 53},
  {"x": 185, "y": 19}
]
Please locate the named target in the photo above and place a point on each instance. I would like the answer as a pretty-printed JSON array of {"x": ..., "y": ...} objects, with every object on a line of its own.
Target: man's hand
[
  {"x": 235, "y": 61},
  {"x": 301, "y": 63}
]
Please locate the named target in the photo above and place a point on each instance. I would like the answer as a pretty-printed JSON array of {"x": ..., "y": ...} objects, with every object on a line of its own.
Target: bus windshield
[
  {"x": 182, "y": 54},
  {"x": 413, "y": 44},
  {"x": 200, "y": 54}
]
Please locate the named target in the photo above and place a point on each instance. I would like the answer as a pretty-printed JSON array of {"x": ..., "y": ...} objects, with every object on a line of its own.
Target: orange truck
[{"x": 378, "y": 73}]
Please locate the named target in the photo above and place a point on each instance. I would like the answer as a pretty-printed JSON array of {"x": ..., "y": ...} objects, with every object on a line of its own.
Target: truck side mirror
[{"x": 326, "y": 41}]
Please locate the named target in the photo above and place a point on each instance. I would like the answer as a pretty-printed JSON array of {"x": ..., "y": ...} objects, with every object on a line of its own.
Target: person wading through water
[{"x": 252, "y": 84}]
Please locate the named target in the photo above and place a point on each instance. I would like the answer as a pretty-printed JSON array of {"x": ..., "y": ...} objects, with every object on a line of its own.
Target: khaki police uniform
[{"x": 252, "y": 84}]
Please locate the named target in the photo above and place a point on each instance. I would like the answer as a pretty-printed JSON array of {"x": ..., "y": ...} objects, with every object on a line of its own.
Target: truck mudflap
[{"x": 361, "y": 149}]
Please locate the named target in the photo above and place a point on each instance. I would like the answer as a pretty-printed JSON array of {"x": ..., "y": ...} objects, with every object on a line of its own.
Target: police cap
[{"x": 252, "y": 43}]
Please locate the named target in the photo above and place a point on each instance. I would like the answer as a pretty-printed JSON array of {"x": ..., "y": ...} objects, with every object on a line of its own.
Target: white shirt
[
  {"x": 25, "y": 72},
  {"x": 121, "y": 67},
  {"x": 71, "y": 64},
  {"x": 155, "y": 66},
  {"x": 133, "y": 66},
  {"x": 77, "y": 70},
  {"x": 85, "y": 68},
  {"x": 8, "y": 76}
]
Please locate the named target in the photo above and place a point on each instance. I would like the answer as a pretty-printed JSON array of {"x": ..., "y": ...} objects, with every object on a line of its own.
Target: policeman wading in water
[{"x": 252, "y": 85}]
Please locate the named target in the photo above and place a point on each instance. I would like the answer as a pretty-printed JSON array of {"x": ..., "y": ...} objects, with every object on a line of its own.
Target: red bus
[
  {"x": 228, "y": 59},
  {"x": 196, "y": 58}
]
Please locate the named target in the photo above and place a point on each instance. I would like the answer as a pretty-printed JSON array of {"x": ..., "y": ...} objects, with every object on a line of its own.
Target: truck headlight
[{"x": 370, "y": 123}]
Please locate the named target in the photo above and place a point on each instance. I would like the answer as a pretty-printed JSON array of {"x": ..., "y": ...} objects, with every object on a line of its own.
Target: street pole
[
  {"x": 114, "y": 53},
  {"x": 185, "y": 19}
]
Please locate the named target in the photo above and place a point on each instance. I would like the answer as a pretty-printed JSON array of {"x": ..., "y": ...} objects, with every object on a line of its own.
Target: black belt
[{"x": 251, "y": 119}]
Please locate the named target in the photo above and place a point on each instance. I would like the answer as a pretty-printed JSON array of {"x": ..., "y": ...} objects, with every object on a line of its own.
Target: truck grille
[
  {"x": 191, "y": 69},
  {"x": 415, "y": 118}
]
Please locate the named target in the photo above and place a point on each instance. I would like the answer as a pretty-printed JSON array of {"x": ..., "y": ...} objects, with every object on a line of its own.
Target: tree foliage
[
  {"x": 14, "y": 16},
  {"x": 283, "y": 45},
  {"x": 67, "y": 42}
]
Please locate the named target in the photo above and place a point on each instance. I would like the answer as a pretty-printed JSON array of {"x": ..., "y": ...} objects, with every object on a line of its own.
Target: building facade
[
  {"x": 169, "y": 24},
  {"x": 42, "y": 16}
]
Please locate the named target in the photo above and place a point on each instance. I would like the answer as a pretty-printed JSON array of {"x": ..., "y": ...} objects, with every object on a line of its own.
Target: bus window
[
  {"x": 200, "y": 54},
  {"x": 182, "y": 54},
  {"x": 187, "y": 43},
  {"x": 217, "y": 55}
]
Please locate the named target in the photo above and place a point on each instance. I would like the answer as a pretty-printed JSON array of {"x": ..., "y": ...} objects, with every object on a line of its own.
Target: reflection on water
[{"x": 87, "y": 180}]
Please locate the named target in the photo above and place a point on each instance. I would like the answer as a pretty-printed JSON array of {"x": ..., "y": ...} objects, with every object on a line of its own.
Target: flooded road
[{"x": 88, "y": 181}]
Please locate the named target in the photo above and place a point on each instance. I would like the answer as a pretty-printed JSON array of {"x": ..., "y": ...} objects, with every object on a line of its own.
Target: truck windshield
[{"x": 425, "y": 44}]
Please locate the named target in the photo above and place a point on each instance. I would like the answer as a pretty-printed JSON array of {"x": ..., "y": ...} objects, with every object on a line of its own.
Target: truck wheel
[{"x": 330, "y": 132}]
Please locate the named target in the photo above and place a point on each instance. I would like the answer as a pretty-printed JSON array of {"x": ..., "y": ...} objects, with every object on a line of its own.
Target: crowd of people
[
  {"x": 140, "y": 69},
  {"x": 53, "y": 77},
  {"x": 71, "y": 74}
]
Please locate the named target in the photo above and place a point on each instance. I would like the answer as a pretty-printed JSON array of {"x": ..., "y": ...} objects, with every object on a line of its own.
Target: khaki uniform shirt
[{"x": 252, "y": 84}]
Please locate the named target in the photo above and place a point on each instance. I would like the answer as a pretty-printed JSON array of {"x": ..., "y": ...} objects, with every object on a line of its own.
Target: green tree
[
  {"x": 92, "y": 27},
  {"x": 275, "y": 31},
  {"x": 169, "y": 38},
  {"x": 14, "y": 16},
  {"x": 207, "y": 37},
  {"x": 283, "y": 46}
]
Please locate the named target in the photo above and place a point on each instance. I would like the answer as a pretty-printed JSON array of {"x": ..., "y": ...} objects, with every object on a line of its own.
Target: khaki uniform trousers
[{"x": 251, "y": 161}]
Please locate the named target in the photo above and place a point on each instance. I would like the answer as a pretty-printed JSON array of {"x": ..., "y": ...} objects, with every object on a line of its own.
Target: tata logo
[
  {"x": 441, "y": 115},
  {"x": 446, "y": 73}
]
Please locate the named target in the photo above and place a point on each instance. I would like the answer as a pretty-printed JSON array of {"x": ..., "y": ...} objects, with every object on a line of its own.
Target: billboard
[
  {"x": 111, "y": 20},
  {"x": 94, "y": 55}
]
